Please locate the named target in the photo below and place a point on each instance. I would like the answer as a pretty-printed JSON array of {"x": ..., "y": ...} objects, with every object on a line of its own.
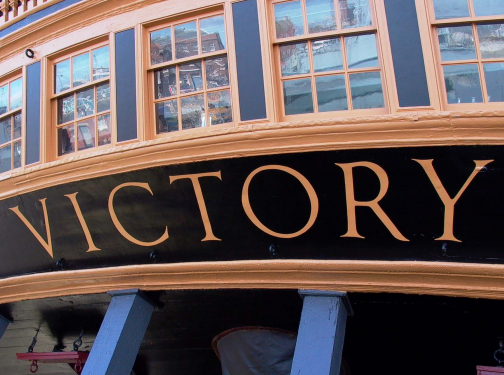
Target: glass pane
[
  {"x": 103, "y": 97},
  {"x": 361, "y": 51},
  {"x": 85, "y": 102},
  {"x": 5, "y": 159},
  {"x": 62, "y": 76},
  {"x": 294, "y": 59},
  {"x": 444, "y": 9},
  {"x": 321, "y": 15},
  {"x": 219, "y": 107},
  {"x": 66, "y": 140},
  {"x": 355, "y": 13},
  {"x": 167, "y": 117},
  {"x": 193, "y": 111},
  {"x": 5, "y": 130},
  {"x": 367, "y": 90},
  {"x": 80, "y": 70},
  {"x": 298, "y": 96},
  {"x": 494, "y": 76},
  {"x": 191, "y": 78},
  {"x": 160, "y": 46},
  {"x": 101, "y": 63},
  {"x": 288, "y": 19},
  {"x": 327, "y": 55},
  {"x": 213, "y": 34},
  {"x": 16, "y": 94},
  {"x": 491, "y": 39},
  {"x": 17, "y": 125},
  {"x": 65, "y": 109},
  {"x": 186, "y": 40},
  {"x": 4, "y": 99},
  {"x": 456, "y": 43},
  {"x": 17, "y": 154},
  {"x": 86, "y": 134},
  {"x": 331, "y": 93},
  {"x": 217, "y": 73},
  {"x": 165, "y": 82},
  {"x": 488, "y": 7},
  {"x": 104, "y": 130},
  {"x": 462, "y": 83}
]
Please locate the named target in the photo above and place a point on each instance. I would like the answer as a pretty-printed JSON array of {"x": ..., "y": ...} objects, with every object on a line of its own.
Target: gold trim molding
[{"x": 430, "y": 278}]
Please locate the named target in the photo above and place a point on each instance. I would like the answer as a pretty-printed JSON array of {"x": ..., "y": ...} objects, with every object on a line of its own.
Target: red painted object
[
  {"x": 485, "y": 370},
  {"x": 75, "y": 359}
]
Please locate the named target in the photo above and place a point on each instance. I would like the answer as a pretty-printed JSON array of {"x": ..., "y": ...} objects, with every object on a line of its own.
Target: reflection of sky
[
  {"x": 290, "y": 11},
  {"x": 16, "y": 96},
  {"x": 214, "y": 25},
  {"x": 62, "y": 76},
  {"x": 451, "y": 8},
  {"x": 4, "y": 92},
  {"x": 361, "y": 51},
  {"x": 321, "y": 16},
  {"x": 80, "y": 69},
  {"x": 101, "y": 58},
  {"x": 488, "y": 7}
]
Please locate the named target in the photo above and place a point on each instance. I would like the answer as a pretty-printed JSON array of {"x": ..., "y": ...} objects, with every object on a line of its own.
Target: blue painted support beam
[
  {"x": 123, "y": 328},
  {"x": 4, "y": 323},
  {"x": 319, "y": 345}
]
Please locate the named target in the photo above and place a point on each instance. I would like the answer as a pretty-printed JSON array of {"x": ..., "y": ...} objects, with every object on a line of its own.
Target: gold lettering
[
  {"x": 448, "y": 202},
  {"x": 306, "y": 184},
  {"x": 209, "y": 236},
  {"x": 73, "y": 199},
  {"x": 47, "y": 245},
  {"x": 373, "y": 204},
  {"x": 118, "y": 225}
]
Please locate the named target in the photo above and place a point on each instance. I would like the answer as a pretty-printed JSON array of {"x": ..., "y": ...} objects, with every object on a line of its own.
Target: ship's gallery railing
[{"x": 14, "y": 10}]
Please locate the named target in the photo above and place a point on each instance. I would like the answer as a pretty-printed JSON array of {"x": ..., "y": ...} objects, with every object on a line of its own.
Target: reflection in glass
[
  {"x": 193, "y": 111},
  {"x": 444, "y": 9},
  {"x": 17, "y": 125},
  {"x": 167, "y": 117},
  {"x": 65, "y": 109},
  {"x": 103, "y": 97},
  {"x": 462, "y": 83},
  {"x": 298, "y": 96},
  {"x": 86, "y": 134},
  {"x": 4, "y": 99},
  {"x": 494, "y": 77},
  {"x": 160, "y": 46},
  {"x": 361, "y": 51},
  {"x": 17, "y": 154},
  {"x": 491, "y": 38},
  {"x": 456, "y": 43},
  {"x": 80, "y": 70},
  {"x": 101, "y": 63},
  {"x": 62, "y": 76},
  {"x": 85, "y": 102},
  {"x": 217, "y": 73},
  {"x": 165, "y": 82},
  {"x": 331, "y": 93},
  {"x": 488, "y": 7},
  {"x": 16, "y": 94},
  {"x": 191, "y": 78},
  {"x": 367, "y": 91},
  {"x": 355, "y": 13},
  {"x": 321, "y": 16},
  {"x": 288, "y": 19},
  {"x": 66, "y": 140},
  {"x": 186, "y": 40},
  {"x": 294, "y": 59},
  {"x": 327, "y": 55},
  {"x": 213, "y": 34},
  {"x": 104, "y": 130},
  {"x": 5, "y": 159},
  {"x": 5, "y": 130},
  {"x": 219, "y": 107}
]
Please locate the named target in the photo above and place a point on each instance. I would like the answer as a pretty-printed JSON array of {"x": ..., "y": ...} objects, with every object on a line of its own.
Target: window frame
[
  {"x": 53, "y": 126},
  {"x": 472, "y": 20},
  {"x": 385, "y": 67},
  {"x": 149, "y": 70}
]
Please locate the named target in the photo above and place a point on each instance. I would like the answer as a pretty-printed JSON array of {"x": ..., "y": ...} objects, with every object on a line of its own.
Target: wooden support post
[
  {"x": 319, "y": 345},
  {"x": 4, "y": 323},
  {"x": 116, "y": 346}
]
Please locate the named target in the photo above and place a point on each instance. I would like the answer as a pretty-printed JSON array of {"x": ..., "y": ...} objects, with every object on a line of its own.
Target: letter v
[{"x": 47, "y": 245}]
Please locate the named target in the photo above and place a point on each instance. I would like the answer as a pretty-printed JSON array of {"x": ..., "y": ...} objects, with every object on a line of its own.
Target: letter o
[{"x": 307, "y": 186}]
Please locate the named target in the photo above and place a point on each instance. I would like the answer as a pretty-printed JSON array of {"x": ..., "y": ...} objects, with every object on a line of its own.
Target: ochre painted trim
[
  {"x": 405, "y": 130},
  {"x": 431, "y": 278}
]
